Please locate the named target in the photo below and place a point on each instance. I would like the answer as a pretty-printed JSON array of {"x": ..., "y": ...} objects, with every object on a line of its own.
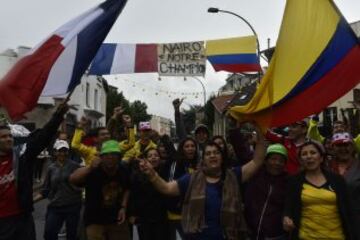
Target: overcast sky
[{"x": 27, "y": 22}]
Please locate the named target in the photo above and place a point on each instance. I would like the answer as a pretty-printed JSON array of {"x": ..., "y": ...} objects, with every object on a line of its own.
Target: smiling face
[
  {"x": 344, "y": 151},
  {"x": 153, "y": 157},
  {"x": 275, "y": 164},
  {"x": 212, "y": 157},
  {"x": 311, "y": 158}
]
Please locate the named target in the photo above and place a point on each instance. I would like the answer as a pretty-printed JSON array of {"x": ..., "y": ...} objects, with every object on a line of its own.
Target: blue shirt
[{"x": 213, "y": 202}]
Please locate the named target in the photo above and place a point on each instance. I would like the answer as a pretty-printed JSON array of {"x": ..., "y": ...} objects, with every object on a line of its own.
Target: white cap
[
  {"x": 59, "y": 144},
  {"x": 19, "y": 130}
]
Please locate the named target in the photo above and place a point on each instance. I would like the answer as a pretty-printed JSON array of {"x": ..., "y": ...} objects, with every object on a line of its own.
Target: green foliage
[{"x": 137, "y": 109}]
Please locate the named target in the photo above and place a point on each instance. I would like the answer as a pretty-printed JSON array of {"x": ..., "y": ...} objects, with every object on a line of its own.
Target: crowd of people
[{"x": 105, "y": 182}]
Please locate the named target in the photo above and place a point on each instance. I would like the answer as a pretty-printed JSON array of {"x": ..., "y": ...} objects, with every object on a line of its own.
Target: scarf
[{"x": 193, "y": 212}]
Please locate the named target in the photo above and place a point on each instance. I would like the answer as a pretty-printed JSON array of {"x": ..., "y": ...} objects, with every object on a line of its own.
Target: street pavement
[{"x": 39, "y": 218}]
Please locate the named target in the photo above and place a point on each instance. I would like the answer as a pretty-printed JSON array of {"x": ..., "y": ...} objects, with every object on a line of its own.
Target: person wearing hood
[{"x": 265, "y": 196}]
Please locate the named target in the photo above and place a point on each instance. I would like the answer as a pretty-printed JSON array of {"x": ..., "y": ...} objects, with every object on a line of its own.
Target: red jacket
[{"x": 292, "y": 165}]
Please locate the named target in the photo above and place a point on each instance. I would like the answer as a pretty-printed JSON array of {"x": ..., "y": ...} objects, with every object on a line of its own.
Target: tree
[{"x": 137, "y": 109}]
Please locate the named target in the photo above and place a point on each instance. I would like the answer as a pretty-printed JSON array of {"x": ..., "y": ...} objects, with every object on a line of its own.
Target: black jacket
[
  {"x": 145, "y": 202},
  {"x": 293, "y": 204},
  {"x": 25, "y": 155}
]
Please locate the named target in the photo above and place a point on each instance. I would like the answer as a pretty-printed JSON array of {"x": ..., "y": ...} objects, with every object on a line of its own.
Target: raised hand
[
  {"x": 127, "y": 121},
  {"x": 117, "y": 112},
  {"x": 177, "y": 103},
  {"x": 288, "y": 224}
]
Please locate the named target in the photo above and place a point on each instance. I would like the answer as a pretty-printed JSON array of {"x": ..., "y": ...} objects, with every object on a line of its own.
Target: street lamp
[
  {"x": 217, "y": 10},
  {"x": 202, "y": 85}
]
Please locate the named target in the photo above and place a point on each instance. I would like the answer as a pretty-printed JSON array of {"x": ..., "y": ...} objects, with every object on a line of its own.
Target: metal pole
[
  {"x": 251, "y": 27},
  {"x": 203, "y": 86},
  {"x": 216, "y": 10}
]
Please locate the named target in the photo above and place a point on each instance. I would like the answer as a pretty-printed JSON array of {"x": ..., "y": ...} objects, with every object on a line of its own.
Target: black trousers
[
  {"x": 19, "y": 227},
  {"x": 153, "y": 231}
]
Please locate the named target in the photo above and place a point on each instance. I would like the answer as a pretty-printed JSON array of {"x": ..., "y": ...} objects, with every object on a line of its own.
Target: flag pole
[{"x": 67, "y": 99}]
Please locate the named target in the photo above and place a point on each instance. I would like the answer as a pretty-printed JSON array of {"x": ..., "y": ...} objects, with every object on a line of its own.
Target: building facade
[{"x": 161, "y": 125}]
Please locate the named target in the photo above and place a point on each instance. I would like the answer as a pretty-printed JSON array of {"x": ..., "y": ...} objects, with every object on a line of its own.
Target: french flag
[
  {"x": 115, "y": 58},
  {"x": 56, "y": 65}
]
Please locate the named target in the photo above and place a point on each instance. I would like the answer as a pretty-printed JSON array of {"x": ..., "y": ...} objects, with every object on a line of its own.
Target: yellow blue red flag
[
  {"x": 316, "y": 61},
  {"x": 233, "y": 54}
]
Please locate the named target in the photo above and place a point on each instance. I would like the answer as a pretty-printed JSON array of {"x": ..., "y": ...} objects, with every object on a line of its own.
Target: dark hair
[
  {"x": 181, "y": 155},
  {"x": 150, "y": 149},
  {"x": 225, "y": 150},
  {"x": 319, "y": 147},
  {"x": 166, "y": 142}
]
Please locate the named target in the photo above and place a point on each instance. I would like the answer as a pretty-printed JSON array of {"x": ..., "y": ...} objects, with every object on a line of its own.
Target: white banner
[{"x": 182, "y": 59}]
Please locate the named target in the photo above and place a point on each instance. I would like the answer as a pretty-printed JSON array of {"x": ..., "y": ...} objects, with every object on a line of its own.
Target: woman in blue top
[{"x": 212, "y": 201}]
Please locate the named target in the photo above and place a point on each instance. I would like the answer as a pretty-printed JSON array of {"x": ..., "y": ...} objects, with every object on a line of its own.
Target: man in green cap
[
  {"x": 265, "y": 196},
  {"x": 106, "y": 183}
]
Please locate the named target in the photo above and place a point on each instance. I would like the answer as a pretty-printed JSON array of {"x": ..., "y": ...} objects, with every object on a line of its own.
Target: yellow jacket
[
  {"x": 126, "y": 145},
  {"x": 136, "y": 150},
  {"x": 88, "y": 153}
]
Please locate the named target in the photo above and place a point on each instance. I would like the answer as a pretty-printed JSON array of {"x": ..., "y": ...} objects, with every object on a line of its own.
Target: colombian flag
[
  {"x": 233, "y": 54},
  {"x": 316, "y": 61}
]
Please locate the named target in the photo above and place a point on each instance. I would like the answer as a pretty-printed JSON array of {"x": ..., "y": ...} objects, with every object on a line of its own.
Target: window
[
  {"x": 96, "y": 102},
  {"x": 87, "y": 99}
]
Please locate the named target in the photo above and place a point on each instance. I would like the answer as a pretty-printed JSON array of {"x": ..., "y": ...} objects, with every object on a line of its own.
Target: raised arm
[
  {"x": 313, "y": 131},
  {"x": 250, "y": 168},
  {"x": 78, "y": 177},
  {"x": 41, "y": 138},
  {"x": 114, "y": 122},
  {"x": 76, "y": 144},
  {"x": 179, "y": 122},
  {"x": 167, "y": 188}
]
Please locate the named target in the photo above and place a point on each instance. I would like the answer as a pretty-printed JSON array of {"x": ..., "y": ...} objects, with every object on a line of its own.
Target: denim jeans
[{"x": 56, "y": 216}]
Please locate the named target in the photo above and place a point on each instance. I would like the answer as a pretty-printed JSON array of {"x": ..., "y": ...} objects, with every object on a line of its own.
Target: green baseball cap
[
  {"x": 110, "y": 146},
  {"x": 277, "y": 148}
]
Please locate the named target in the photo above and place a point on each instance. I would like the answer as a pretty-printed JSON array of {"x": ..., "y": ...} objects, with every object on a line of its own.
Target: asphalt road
[{"x": 39, "y": 218}]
